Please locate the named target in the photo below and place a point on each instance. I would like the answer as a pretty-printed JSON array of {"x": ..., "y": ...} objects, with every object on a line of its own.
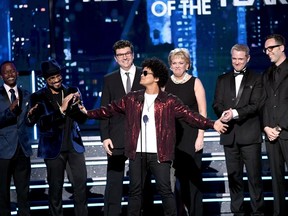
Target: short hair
[
  {"x": 122, "y": 44},
  {"x": 241, "y": 47},
  {"x": 159, "y": 69},
  {"x": 182, "y": 53},
  {"x": 6, "y": 62},
  {"x": 278, "y": 38}
]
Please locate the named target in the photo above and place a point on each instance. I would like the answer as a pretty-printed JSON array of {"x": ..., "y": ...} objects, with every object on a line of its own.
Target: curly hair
[
  {"x": 122, "y": 44},
  {"x": 159, "y": 69}
]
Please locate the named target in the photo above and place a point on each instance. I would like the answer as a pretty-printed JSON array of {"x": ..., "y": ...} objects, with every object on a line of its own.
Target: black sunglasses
[
  {"x": 145, "y": 73},
  {"x": 270, "y": 48}
]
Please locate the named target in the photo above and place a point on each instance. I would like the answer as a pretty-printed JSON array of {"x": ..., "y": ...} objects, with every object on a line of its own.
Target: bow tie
[{"x": 236, "y": 73}]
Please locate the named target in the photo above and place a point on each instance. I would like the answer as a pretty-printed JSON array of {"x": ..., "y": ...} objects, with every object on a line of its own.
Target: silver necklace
[
  {"x": 62, "y": 95},
  {"x": 149, "y": 106}
]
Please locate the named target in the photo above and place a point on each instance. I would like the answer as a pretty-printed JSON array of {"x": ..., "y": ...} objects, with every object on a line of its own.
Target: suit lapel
[
  {"x": 243, "y": 81},
  {"x": 136, "y": 81},
  {"x": 282, "y": 76},
  {"x": 4, "y": 94},
  {"x": 232, "y": 85},
  {"x": 20, "y": 95},
  {"x": 119, "y": 83}
]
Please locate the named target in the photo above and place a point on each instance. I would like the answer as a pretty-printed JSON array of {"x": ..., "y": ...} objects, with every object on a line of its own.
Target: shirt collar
[
  {"x": 7, "y": 88},
  {"x": 132, "y": 70}
]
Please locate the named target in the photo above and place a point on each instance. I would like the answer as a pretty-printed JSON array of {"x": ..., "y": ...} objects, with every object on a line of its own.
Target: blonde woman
[{"x": 189, "y": 141}]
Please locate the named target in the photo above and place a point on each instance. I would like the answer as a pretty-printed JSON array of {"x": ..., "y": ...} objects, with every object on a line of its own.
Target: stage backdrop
[{"x": 82, "y": 33}]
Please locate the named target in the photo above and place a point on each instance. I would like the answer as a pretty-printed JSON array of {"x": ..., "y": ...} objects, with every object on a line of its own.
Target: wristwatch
[{"x": 278, "y": 129}]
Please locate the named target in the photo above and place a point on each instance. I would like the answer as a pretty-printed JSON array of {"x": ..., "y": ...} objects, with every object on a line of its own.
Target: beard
[{"x": 56, "y": 89}]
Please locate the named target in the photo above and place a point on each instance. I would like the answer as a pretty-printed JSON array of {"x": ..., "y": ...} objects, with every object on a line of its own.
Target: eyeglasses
[
  {"x": 121, "y": 55},
  {"x": 270, "y": 48},
  {"x": 145, "y": 73}
]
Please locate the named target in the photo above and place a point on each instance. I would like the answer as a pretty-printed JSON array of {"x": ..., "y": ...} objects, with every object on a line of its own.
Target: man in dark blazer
[
  {"x": 113, "y": 130},
  {"x": 55, "y": 110},
  {"x": 15, "y": 149},
  {"x": 275, "y": 118},
  {"x": 238, "y": 98}
]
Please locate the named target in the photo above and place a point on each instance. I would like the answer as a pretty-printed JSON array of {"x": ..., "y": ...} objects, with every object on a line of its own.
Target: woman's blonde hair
[{"x": 182, "y": 53}]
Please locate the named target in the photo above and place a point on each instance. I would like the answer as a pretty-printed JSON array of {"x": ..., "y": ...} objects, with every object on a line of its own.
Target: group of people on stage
[{"x": 157, "y": 122}]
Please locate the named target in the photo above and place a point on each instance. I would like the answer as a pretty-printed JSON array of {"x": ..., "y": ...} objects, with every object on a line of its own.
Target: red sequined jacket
[{"x": 167, "y": 108}]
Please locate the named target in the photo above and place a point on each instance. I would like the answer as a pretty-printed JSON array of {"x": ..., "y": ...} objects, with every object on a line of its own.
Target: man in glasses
[
  {"x": 116, "y": 85},
  {"x": 275, "y": 117},
  {"x": 150, "y": 133},
  {"x": 55, "y": 111}
]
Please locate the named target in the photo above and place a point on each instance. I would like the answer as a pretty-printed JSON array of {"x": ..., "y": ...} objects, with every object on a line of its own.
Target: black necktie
[
  {"x": 13, "y": 96},
  {"x": 276, "y": 73}
]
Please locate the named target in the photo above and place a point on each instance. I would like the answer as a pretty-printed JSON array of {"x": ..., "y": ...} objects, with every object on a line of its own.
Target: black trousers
[
  {"x": 138, "y": 169},
  {"x": 278, "y": 155},
  {"x": 55, "y": 176},
  {"x": 236, "y": 157},
  {"x": 114, "y": 185},
  {"x": 188, "y": 189},
  {"x": 20, "y": 168}
]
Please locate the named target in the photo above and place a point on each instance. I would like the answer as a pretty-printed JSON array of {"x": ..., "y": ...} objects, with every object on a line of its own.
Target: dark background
[{"x": 80, "y": 35}]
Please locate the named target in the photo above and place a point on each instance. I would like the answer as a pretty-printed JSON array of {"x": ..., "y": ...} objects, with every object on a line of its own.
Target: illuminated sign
[{"x": 200, "y": 7}]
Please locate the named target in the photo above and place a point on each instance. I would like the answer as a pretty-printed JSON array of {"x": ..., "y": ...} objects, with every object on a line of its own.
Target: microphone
[{"x": 145, "y": 119}]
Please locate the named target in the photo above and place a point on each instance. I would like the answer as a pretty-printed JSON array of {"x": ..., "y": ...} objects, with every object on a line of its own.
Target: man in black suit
[
  {"x": 116, "y": 85},
  {"x": 15, "y": 149},
  {"x": 238, "y": 98},
  {"x": 275, "y": 118}
]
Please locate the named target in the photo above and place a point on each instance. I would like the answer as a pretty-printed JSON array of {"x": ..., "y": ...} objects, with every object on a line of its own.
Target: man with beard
[{"x": 55, "y": 110}]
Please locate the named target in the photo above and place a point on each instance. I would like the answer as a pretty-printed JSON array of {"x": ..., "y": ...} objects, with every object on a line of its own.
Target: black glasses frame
[
  {"x": 127, "y": 54},
  {"x": 270, "y": 48}
]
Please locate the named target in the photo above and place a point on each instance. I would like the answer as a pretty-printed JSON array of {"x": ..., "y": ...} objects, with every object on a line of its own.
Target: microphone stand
[{"x": 145, "y": 120}]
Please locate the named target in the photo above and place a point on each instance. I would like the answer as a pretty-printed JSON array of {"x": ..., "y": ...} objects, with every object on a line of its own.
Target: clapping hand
[
  {"x": 76, "y": 99},
  {"x": 14, "y": 104},
  {"x": 32, "y": 110},
  {"x": 82, "y": 108}
]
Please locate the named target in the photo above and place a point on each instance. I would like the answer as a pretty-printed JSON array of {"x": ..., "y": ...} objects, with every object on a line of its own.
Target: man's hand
[
  {"x": 66, "y": 101},
  {"x": 76, "y": 99},
  {"x": 108, "y": 146},
  {"x": 14, "y": 104},
  {"x": 220, "y": 127},
  {"x": 82, "y": 108},
  {"x": 271, "y": 133},
  {"x": 227, "y": 115},
  {"x": 32, "y": 110}
]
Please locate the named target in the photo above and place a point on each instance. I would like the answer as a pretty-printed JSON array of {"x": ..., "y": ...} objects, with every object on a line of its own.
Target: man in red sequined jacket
[
  {"x": 150, "y": 132},
  {"x": 167, "y": 108}
]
